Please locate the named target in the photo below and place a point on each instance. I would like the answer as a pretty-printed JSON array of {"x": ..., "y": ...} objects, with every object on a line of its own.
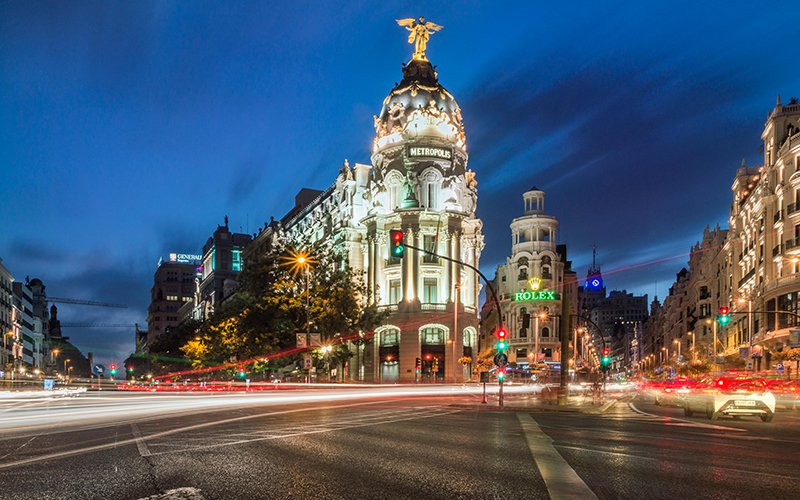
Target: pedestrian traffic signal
[
  {"x": 724, "y": 315},
  {"x": 112, "y": 370},
  {"x": 418, "y": 366},
  {"x": 605, "y": 360},
  {"x": 501, "y": 374},
  {"x": 396, "y": 246}
]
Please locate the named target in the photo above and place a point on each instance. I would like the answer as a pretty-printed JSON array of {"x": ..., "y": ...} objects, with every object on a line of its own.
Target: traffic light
[
  {"x": 396, "y": 247},
  {"x": 605, "y": 360},
  {"x": 501, "y": 374},
  {"x": 130, "y": 368},
  {"x": 418, "y": 366},
  {"x": 436, "y": 364},
  {"x": 502, "y": 343},
  {"x": 242, "y": 373},
  {"x": 112, "y": 370},
  {"x": 724, "y": 315}
]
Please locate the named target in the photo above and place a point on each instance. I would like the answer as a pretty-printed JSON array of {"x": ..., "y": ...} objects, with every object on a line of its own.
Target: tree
[
  {"x": 794, "y": 355},
  {"x": 270, "y": 306}
]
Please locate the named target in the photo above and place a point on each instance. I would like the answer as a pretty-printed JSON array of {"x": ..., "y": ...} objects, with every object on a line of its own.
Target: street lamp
[
  {"x": 749, "y": 301},
  {"x": 65, "y": 363},
  {"x": 678, "y": 354}
]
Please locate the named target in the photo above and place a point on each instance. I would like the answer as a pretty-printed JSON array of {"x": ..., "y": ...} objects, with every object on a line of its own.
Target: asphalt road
[{"x": 382, "y": 444}]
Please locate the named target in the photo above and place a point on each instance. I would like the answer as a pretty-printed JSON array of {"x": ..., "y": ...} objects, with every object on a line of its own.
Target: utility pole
[{"x": 563, "y": 392}]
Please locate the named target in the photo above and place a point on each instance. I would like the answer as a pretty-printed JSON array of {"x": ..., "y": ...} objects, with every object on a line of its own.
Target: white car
[{"x": 733, "y": 398}]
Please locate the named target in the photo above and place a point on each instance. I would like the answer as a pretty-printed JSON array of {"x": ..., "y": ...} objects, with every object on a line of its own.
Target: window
[
  {"x": 431, "y": 192},
  {"x": 522, "y": 354},
  {"x": 545, "y": 332},
  {"x": 172, "y": 297},
  {"x": 394, "y": 291},
  {"x": 433, "y": 336},
  {"x": 429, "y": 290},
  {"x": 429, "y": 244},
  {"x": 523, "y": 273},
  {"x": 187, "y": 299},
  {"x": 389, "y": 338},
  {"x": 236, "y": 265}
]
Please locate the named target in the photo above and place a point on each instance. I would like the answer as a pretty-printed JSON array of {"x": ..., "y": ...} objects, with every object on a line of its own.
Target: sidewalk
[{"x": 575, "y": 404}]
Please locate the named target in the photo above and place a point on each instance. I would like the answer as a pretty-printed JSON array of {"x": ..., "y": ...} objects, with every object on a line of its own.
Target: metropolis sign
[{"x": 430, "y": 152}]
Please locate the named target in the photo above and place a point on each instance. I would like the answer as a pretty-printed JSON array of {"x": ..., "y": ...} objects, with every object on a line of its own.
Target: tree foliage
[{"x": 274, "y": 301}]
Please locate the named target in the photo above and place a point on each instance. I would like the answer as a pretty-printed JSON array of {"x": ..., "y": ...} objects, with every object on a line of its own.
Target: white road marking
[
  {"x": 100, "y": 447},
  {"x": 20, "y": 447},
  {"x": 690, "y": 422},
  {"x": 177, "y": 494},
  {"x": 645, "y": 457},
  {"x": 306, "y": 432},
  {"x": 560, "y": 478},
  {"x": 140, "y": 443}
]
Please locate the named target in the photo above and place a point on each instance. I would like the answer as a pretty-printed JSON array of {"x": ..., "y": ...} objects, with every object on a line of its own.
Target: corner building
[{"x": 419, "y": 183}]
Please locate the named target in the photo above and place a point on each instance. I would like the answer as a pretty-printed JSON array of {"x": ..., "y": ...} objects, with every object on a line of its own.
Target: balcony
[
  {"x": 433, "y": 307},
  {"x": 747, "y": 276},
  {"x": 793, "y": 208},
  {"x": 777, "y": 217},
  {"x": 792, "y": 246},
  {"x": 777, "y": 250}
]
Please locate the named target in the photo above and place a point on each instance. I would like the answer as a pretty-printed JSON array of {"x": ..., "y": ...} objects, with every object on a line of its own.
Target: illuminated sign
[
  {"x": 535, "y": 283},
  {"x": 185, "y": 258},
  {"x": 536, "y": 295},
  {"x": 429, "y": 152}
]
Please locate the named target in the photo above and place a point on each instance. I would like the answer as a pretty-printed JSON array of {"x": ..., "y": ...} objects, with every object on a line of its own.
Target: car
[{"x": 732, "y": 397}]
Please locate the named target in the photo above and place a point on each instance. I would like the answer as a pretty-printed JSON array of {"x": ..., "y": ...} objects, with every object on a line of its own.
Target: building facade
[
  {"x": 222, "y": 262},
  {"x": 173, "y": 286},
  {"x": 531, "y": 284},
  {"x": 753, "y": 268},
  {"x": 417, "y": 182}
]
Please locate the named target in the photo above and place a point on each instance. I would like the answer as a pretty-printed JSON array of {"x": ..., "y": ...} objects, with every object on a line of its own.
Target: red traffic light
[
  {"x": 397, "y": 235},
  {"x": 428, "y": 357},
  {"x": 113, "y": 367},
  {"x": 606, "y": 351},
  {"x": 501, "y": 333},
  {"x": 724, "y": 310}
]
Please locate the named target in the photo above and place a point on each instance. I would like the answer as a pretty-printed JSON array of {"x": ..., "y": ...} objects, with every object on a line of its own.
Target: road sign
[
  {"x": 98, "y": 370},
  {"x": 315, "y": 339},
  {"x": 779, "y": 368},
  {"x": 302, "y": 340},
  {"x": 308, "y": 361},
  {"x": 484, "y": 376},
  {"x": 501, "y": 359}
]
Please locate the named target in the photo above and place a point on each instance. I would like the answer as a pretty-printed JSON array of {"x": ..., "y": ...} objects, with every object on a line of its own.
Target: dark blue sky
[{"x": 130, "y": 129}]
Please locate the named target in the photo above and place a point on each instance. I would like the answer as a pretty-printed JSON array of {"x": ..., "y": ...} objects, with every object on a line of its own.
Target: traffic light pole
[{"x": 488, "y": 285}]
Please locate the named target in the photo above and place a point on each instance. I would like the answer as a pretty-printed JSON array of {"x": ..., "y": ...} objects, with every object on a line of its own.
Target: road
[{"x": 382, "y": 443}]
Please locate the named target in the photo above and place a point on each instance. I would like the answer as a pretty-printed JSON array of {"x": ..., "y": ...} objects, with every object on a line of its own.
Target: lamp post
[
  {"x": 65, "y": 364},
  {"x": 677, "y": 354},
  {"x": 691, "y": 335},
  {"x": 302, "y": 260},
  {"x": 663, "y": 356}
]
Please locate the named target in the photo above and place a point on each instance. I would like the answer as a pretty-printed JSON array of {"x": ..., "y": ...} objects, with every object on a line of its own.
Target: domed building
[{"x": 418, "y": 182}]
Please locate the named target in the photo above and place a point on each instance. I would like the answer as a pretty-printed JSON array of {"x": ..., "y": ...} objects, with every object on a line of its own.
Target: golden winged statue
[{"x": 420, "y": 34}]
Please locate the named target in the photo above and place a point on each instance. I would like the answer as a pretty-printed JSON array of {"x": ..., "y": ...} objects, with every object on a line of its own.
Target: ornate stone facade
[{"x": 417, "y": 182}]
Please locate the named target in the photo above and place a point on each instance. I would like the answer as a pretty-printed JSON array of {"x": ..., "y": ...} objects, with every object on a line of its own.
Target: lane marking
[
  {"x": 140, "y": 443},
  {"x": 560, "y": 478},
  {"x": 26, "y": 443},
  {"x": 100, "y": 447},
  {"x": 177, "y": 494},
  {"x": 646, "y": 457},
  {"x": 692, "y": 422},
  {"x": 302, "y": 433}
]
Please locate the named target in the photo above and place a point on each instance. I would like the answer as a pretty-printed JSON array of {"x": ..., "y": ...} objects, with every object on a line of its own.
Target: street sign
[
  {"x": 308, "y": 361},
  {"x": 302, "y": 340},
  {"x": 484, "y": 376},
  {"x": 316, "y": 339},
  {"x": 98, "y": 370},
  {"x": 779, "y": 368},
  {"x": 501, "y": 359}
]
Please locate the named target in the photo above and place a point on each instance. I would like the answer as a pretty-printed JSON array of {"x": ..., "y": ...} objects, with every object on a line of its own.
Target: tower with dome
[{"x": 417, "y": 181}]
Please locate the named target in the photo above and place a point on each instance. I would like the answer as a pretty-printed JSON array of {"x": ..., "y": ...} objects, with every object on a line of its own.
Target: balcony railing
[
  {"x": 792, "y": 208},
  {"x": 778, "y": 216},
  {"x": 747, "y": 277},
  {"x": 433, "y": 307}
]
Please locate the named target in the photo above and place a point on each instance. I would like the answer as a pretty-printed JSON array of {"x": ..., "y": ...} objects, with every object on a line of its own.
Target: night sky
[{"x": 130, "y": 129}]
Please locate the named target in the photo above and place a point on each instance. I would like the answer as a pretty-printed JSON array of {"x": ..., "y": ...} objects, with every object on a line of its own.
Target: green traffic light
[
  {"x": 501, "y": 345},
  {"x": 723, "y": 320},
  {"x": 398, "y": 251}
]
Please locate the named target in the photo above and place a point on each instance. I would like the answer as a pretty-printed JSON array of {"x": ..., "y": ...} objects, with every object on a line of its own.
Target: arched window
[
  {"x": 470, "y": 337},
  {"x": 523, "y": 273},
  {"x": 545, "y": 332},
  {"x": 390, "y": 337},
  {"x": 432, "y": 336}
]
